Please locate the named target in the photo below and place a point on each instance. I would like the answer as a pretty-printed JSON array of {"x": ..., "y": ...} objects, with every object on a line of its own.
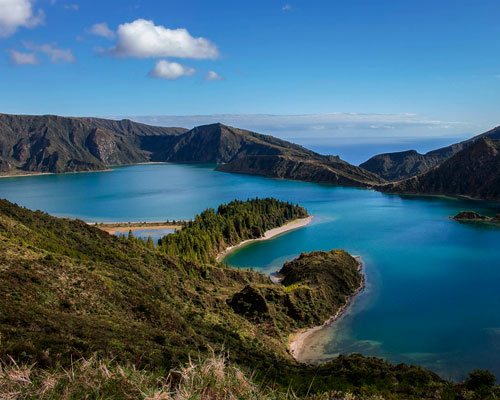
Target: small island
[{"x": 471, "y": 216}]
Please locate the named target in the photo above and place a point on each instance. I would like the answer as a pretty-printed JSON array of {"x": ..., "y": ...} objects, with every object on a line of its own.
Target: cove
[{"x": 432, "y": 293}]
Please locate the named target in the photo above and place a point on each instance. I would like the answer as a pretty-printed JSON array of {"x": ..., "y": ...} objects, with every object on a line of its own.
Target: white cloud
[
  {"x": 20, "y": 58},
  {"x": 213, "y": 76},
  {"x": 170, "y": 70},
  {"x": 101, "y": 29},
  {"x": 286, "y": 7},
  {"x": 73, "y": 7},
  {"x": 55, "y": 54},
  {"x": 324, "y": 126},
  {"x": 18, "y": 13},
  {"x": 144, "y": 39}
]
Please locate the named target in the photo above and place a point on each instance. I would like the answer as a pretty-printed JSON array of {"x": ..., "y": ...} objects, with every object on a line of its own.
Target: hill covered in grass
[{"x": 69, "y": 290}]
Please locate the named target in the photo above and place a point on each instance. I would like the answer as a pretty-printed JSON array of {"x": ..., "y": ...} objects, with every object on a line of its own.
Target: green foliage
[
  {"x": 69, "y": 290},
  {"x": 211, "y": 232}
]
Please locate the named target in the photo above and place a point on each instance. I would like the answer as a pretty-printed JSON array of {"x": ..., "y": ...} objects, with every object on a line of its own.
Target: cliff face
[
  {"x": 472, "y": 172},
  {"x": 401, "y": 165},
  {"x": 60, "y": 144}
]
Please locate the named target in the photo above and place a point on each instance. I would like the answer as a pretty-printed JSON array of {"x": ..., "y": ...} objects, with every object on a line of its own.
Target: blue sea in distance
[
  {"x": 360, "y": 149},
  {"x": 432, "y": 295}
]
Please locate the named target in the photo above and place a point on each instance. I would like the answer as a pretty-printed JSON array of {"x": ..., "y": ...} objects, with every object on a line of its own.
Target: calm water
[
  {"x": 154, "y": 234},
  {"x": 433, "y": 293}
]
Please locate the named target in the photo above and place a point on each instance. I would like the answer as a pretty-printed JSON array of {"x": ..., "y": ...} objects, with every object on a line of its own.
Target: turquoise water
[
  {"x": 154, "y": 234},
  {"x": 432, "y": 294}
]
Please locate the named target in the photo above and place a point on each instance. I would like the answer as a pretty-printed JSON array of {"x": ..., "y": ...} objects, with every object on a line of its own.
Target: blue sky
[{"x": 347, "y": 68}]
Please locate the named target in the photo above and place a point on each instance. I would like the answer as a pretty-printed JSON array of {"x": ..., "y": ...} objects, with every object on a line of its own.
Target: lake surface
[
  {"x": 154, "y": 234},
  {"x": 433, "y": 284}
]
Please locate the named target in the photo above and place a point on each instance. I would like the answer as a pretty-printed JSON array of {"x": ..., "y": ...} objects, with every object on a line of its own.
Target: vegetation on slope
[
  {"x": 51, "y": 143},
  {"x": 402, "y": 165},
  {"x": 60, "y": 144},
  {"x": 213, "y": 231},
  {"x": 321, "y": 169},
  {"x": 69, "y": 290},
  {"x": 472, "y": 172},
  {"x": 320, "y": 283},
  {"x": 471, "y": 216}
]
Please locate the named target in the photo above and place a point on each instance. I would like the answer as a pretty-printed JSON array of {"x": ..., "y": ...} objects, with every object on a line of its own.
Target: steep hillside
[
  {"x": 218, "y": 143},
  {"x": 472, "y": 172},
  {"x": 59, "y": 144},
  {"x": 324, "y": 169},
  {"x": 69, "y": 290},
  {"x": 401, "y": 165}
]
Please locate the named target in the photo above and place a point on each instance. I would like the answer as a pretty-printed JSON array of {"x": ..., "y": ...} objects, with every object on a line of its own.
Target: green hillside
[{"x": 68, "y": 290}]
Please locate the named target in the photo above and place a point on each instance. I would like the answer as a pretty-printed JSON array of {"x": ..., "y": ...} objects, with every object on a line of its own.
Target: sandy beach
[
  {"x": 297, "y": 339},
  {"x": 290, "y": 226},
  {"x": 124, "y": 227}
]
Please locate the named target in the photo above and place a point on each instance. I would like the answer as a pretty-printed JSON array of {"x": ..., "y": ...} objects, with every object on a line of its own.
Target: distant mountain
[
  {"x": 62, "y": 144},
  {"x": 472, "y": 172},
  {"x": 401, "y": 165}
]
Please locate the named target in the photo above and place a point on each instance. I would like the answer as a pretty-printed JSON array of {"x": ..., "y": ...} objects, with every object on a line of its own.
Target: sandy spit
[
  {"x": 295, "y": 224},
  {"x": 297, "y": 339}
]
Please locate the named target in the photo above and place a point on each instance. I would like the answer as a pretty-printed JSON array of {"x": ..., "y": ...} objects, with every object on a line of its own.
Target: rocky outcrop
[
  {"x": 101, "y": 145},
  {"x": 471, "y": 216}
]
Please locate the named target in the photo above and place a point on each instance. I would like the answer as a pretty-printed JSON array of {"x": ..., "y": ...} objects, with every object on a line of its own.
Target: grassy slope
[{"x": 69, "y": 290}]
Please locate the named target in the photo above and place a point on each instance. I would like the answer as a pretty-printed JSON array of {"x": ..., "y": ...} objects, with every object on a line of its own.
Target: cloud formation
[
  {"x": 286, "y": 7},
  {"x": 213, "y": 76},
  {"x": 144, "y": 39},
  {"x": 55, "y": 54},
  {"x": 170, "y": 70},
  {"x": 322, "y": 126},
  {"x": 101, "y": 29},
  {"x": 20, "y": 58},
  {"x": 18, "y": 13},
  {"x": 73, "y": 7}
]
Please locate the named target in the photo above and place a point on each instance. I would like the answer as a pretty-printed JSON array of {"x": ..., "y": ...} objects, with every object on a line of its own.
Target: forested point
[{"x": 213, "y": 231}]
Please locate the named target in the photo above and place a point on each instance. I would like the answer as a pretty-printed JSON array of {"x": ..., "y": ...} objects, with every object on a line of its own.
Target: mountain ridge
[
  {"x": 34, "y": 144},
  {"x": 400, "y": 165},
  {"x": 472, "y": 172}
]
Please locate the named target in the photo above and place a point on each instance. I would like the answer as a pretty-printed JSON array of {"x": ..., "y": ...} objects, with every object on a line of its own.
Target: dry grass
[{"x": 210, "y": 379}]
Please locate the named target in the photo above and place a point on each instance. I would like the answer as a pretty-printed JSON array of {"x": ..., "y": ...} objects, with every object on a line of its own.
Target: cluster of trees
[{"x": 213, "y": 231}]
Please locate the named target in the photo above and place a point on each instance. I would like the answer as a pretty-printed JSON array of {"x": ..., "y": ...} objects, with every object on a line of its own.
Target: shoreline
[
  {"x": 124, "y": 227},
  {"x": 270, "y": 234},
  {"x": 24, "y": 175},
  {"x": 296, "y": 340}
]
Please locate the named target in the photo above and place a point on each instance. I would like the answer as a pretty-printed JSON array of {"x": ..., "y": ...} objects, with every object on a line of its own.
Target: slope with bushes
[{"x": 69, "y": 290}]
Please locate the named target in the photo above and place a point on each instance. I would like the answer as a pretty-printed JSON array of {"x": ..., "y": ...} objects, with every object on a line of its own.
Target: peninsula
[{"x": 77, "y": 285}]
